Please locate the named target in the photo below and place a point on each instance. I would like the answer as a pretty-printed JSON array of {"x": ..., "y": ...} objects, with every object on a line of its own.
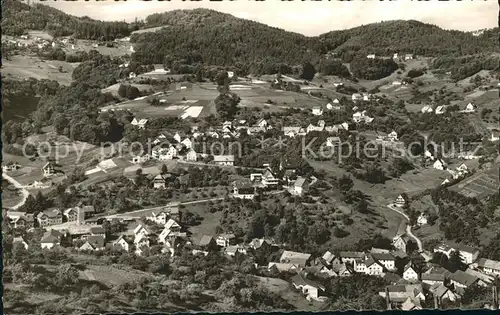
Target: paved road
[
  {"x": 16, "y": 184},
  {"x": 408, "y": 226}
]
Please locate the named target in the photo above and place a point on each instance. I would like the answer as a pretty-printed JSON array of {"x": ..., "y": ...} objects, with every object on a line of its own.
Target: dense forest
[{"x": 19, "y": 17}]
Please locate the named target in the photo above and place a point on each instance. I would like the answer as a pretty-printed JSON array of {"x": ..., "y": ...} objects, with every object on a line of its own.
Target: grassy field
[
  {"x": 21, "y": 67},
  {"x": 479, "y": 185},
  {"x": 285, "y": 290}
]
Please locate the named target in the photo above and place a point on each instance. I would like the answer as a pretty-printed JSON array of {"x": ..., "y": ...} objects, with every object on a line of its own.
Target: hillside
[
  {"x": 19, "y": 17},
  {"x": 222, "y": 39},
  {"x": 387, "y": 38}
]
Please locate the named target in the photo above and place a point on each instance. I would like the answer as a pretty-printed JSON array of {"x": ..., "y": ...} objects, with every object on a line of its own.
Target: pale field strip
[{"x": 193, "y": 111}]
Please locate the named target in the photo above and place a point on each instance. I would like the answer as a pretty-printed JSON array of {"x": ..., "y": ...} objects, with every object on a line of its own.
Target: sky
[{"x": 310, "y": 18}]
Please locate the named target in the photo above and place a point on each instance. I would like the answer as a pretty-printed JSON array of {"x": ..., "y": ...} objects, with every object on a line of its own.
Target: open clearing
[
  {"x": 21, "y": 67},
  {"x": 148, "y": 30}
]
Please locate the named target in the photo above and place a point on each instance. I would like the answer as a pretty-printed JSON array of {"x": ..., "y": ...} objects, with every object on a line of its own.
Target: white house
[
  {"x": 439, "y": 165},
  {"x": 400, "y": 201},
  {"x": 141, "y": 123},
  {"x": 311, "y": 289},
  {"x": 187, "y": 143},
  {"x": 410, "y": 273},
  {"x": 408, "y": 56},
  {"x": 488, "y": 266},
  {"x": 191, "y": 155},
  {"x": 262, "y": 123},
  {"x": 300, "y": 186},
  {"x": 427, "y": 109},
  {"x": 400, "y": 241},
  {"x": 371, "y": 56},
  {"x": 422, "y": 219},
  {"x": 177, "y": 137},
  {"x": 440, "y": 110},
  {"x": 470, "y": 108},
  {"x": 395, "y": 56},
  {"x": 467, "y": 253},
  {"x": 385, "y": 259},
  {"x": 361, "y": 117},
  {"x": 230, "y": 74},
  {"x": 317, "y": 111},
  {"x": 48, "y": 169},
  {"x": 356, "y": 97},
  {"x": 132, "y": 75},
  {"x": 373, "y": 268},
  {"x": 243, "y": 189},
  {"x": 291, "y": 131}
]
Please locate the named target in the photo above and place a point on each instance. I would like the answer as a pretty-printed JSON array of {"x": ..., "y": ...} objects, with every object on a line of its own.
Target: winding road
[
  {"x": 16, "y": 184},
  {"x": 408, "y": 226}
]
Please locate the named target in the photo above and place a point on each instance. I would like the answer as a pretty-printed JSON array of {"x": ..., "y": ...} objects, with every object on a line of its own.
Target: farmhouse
[
  {"x": 356, "y": 97},
  {"x": 224, "y": 159},
  {"x": 191, "y": 155},
  {"x": 244, "y": 189},
  {"x": 311, "y": 289},
  {"x": 159, "y": 181},
  {"x": 358, "y": 117},
  {"x": 299, "y": 259},
  {"x": 400, "y": 293},
  {"x": 233, "y": 249},
  {"x": 393, "y": 136},
  {"x": 312, "y": 128}
]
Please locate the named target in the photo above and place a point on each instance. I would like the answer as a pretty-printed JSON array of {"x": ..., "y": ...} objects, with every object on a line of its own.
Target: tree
[
  {"x": 455, "y": 262},
  {"x": 226, "y": 105},
  {"x": 308, "y": 71},
  {"x": 164, "y": 169}
]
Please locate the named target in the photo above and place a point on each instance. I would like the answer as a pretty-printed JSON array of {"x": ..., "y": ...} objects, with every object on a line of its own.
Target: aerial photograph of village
[{"x": 195, "y": 157}]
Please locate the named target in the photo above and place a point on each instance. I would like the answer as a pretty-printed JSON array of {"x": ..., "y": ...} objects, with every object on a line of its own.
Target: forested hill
[
  {"x": 386, "y": 38},
  {"x": 222, "y": 39},
  {"x": 17, "y": 17}
]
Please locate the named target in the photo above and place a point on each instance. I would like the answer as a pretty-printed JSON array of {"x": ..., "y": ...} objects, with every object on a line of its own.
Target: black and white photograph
[{"x": 250, "y": 156}]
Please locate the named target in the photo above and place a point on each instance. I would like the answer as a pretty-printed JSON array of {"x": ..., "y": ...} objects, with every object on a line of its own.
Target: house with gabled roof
[
  {"x": 291, "y": 131},
  {"x": 427, "y": 109},
  {"x": 224, "y": 159},
  {"x": 141, "y": 230},
  {"x": 470, "y": 108},
  {"x": 98, "y": 231},
  {"x": 351, "y": 257},
  {"x": 461, "y": 279},
  {"x": 440, "y": 110},
  {"x": 385, "y": 259},
  {"x": 283, "y": 267},
  {"x": 93, "y": 243},
  {"x": 207, "y": 241},
  {"x": 50, "y": 239},
  {"x": 468, "y": 254},
  {"x": 400, "y": 241},
  {"x": 311, "y": 289},
  {"x": 244, "y": 189},
  {"x": 488, "y": 266},
  {"x": 411, "y": 304},
  {"x": 300, "y": 186},
  {"x": 433, "y": 278},
  {"x": 49, "y": 217},
  {"x": 49, "y": 169},
  {"x": 25, "y": 221},
  {"x": 260, "y": 243},
  {"x": 398, "y": 294},
  {"x": 442, "y": 293},
  {"x": 299, "y": 259},
  {"x": 410, "y": 273},
  {"x": 400, "y": 201},
  {"x": 191, "y": 155},
  {"x": 140, "y": 123},
  {"x": 232, "y": 250},
  {"x": 317, "y": 111},
  {"x": 268, "y": 179}
]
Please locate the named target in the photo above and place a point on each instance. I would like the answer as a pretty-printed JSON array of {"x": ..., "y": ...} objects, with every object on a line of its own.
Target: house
[
  {"x": 371, "y": 56},
  {"x": 207, "y": 241},
  {"x": 170, "y": 233},
  {"x": 224, "y": 159},
  {"x": 11, "y": 166},
  {"x": 233, "y": 249},
  {"x": 300, "y": 186},
  {"x": 230, "y": 74},
  {"x": 470, "y": 108},
  {"x": 411, "y": 304},
  {"x": 358, "y": 117},
  {"x": 422, "y": 219},
  {"x": 439, "y": 165},
  {"x": 433, "y": 278},
  {"x": 311, "y": 289},
  {"x": 225, "y": 240},
  {"x": 427, "y": 109},
  {"x": 20, "y": 240},
  {"x": 467, "y": 253},
  {"x": 98, "y": 231},
  {"x": 400, "y": 201},
  {"x": 158, "y": 217},
  {"x": 269, "y": 180},
  {"x": 187, "y": 143},
  {"x": 50, "y": 239},
  {"x": 385, "y": 259},
  {"x": 488, "y": 266},
  {"x": 329, "y": 258},
  {"x": 93, "y": 243},
  {"x": 408, "y": 56},
  {"x": 260, "y": 243},
  {"x": 397, "y": 83},
  {"x": 255, "y": 130},
  {"x": 141, "y": 230},
  {"x": 132, "y": 75},
  {"x": 299, "y": 259},
  {"x": 442, "y": 293},
  {"x": 244, "y": 189},
  {"x": 410, "y": 273},
  {"x": 395, "y": 56},
  {"x": 283, "y": 267},
  {"x": 24, "y": 221},
  {"x": 356, "y": 97},
  {"x": 191, "y": 155},
  {"x": 352, "y": 257},
  {"x": 159, "y": 181},
  {"x": 336, "y": 270},
  {"x": 49, "y": 217},
  {"x": 140, "y": 123},
  {"x": 140, "y": 158},
  {"x": 400, "y": 293},
  {"x": 440, "y": 110},
  {"x": 460, "y": 279},
  {"x": 393, "y": 136},
  {"x": 312, "y": 128},
  {"x": 400, "y": 242},
  {"x": 291, "y": 131},
  {"x": 48, "y": 169},
  {"x": 372, "y": 267},
  {"x": 79, "y": 214},
  {"x": 495, "y": 135},
  {"x": 317, "y": 111},
  {"x": 262, "y": 123}
]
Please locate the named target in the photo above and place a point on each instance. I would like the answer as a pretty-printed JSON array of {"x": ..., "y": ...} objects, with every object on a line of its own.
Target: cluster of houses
[
  {"x": 77, "y": 215},
  {"x": 441, "y": 109}
]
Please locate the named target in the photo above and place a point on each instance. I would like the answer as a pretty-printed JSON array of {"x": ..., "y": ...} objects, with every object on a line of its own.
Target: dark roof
[
  {"x": 382, "y": 256},
  {"x": 433, "y": 276},
  {"x": 96, "y": 241},
  {"x": 299, "y": 279},
  {"x": 352, "y": 254},
  {"x": 97, "y": 230},
  {"x": 463, "y": 278}
]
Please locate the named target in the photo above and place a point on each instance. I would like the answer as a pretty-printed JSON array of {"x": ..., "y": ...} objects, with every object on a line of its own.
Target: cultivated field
[{"x": 480, "y": 185}]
